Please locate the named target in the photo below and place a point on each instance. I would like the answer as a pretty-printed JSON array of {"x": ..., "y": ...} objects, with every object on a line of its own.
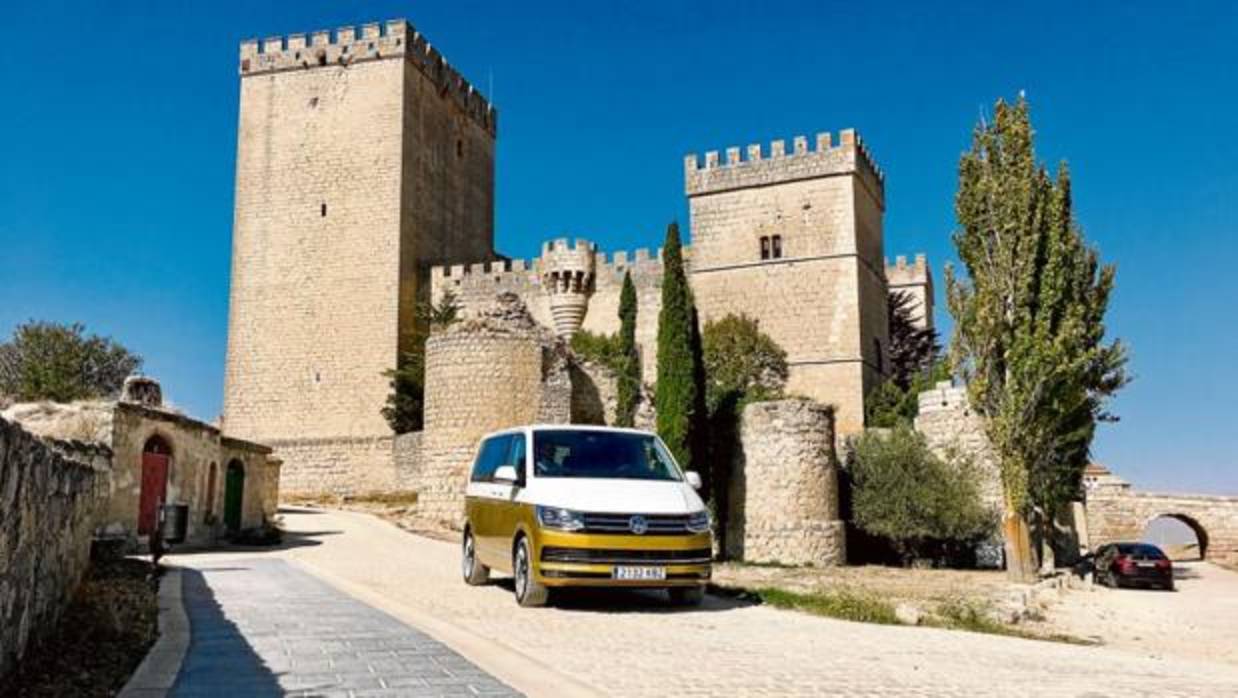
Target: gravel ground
[
  {"x": 637, "y": 645},
  {"x": 1198, "y": 621}
]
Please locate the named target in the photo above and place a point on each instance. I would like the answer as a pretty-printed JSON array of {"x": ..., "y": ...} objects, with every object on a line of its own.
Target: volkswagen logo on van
[{"x": 638, "y": 525}]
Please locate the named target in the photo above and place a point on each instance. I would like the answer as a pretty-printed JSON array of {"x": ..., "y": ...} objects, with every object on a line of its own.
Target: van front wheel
[
  {"x": 475, "y": 573},
  {"x": 529, "y": 592}
]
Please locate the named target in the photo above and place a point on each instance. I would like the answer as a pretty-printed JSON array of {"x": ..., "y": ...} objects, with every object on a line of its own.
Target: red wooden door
[{"x": 154, "y": 485}]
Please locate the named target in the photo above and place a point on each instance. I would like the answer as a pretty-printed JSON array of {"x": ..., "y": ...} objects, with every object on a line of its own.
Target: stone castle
[{"x": 365, "y": 187}]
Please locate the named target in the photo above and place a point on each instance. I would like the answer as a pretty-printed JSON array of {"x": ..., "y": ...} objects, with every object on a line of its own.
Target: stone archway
[
  {"x": 156, "y": 463},
  {"x": 1172, "y": 545}
]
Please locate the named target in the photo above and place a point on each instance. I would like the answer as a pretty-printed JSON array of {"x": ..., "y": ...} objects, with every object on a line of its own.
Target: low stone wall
[
  {"x": 784, "y": 486},
  {"x": 406, "y": 452},
  {"x": 49, "y": 502},
  {"x": 340, "y": 466}
]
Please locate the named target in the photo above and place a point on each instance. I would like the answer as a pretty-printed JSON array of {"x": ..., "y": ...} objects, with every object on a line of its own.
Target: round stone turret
[{"x": 567, "y": 275}]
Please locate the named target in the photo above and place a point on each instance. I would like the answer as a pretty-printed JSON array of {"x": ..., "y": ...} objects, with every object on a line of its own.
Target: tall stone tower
[
  {"x": 794, "y": 239},
  {"x": 915, "y": 280},
  {"x": 362, "y": 159}
]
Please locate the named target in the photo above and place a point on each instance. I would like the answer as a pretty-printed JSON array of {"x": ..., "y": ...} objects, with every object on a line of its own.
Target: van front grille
[
  {"x": 625, "y": 557},
  {"x": 657, "y": 524}
]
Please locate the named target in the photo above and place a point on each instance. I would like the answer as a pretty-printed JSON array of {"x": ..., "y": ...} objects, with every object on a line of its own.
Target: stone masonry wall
[
  {"x": 363, "y": 158},
  {"x": 784, "y": 487},
  {"x": 407, "y": 452},
  {"x": 950, "y": 427},
  {"x": 345, "y": 465},
  {"x": 48, "y": 503},
  {"x": 823, "y": 300},
  {"x": 1119, "y": 514},
  {"x": 497, "y": 370}
]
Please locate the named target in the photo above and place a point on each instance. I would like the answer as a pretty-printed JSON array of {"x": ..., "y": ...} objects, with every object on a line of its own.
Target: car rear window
[{"x": 1141, "y": 551}]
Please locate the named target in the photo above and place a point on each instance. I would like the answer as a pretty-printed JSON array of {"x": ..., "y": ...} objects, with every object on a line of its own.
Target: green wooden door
[{"x": 234, "y": 492}]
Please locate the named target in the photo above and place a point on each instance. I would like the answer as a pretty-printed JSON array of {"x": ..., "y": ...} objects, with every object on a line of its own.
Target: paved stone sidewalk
[{"x": 262, "y": 627}]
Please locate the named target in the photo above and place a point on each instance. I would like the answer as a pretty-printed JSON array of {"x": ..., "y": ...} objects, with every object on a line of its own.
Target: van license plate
[{"x": 640, "y": 573}]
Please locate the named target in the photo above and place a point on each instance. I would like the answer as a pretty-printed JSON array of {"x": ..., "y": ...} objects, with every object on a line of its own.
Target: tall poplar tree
[
  {"x": 676, "y": 398},
  {"x": 1029, "y": 334},
  {"x": 629, "y": 367}
]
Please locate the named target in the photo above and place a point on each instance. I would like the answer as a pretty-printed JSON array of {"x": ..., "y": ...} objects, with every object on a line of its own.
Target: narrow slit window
[
  {"x": 764, "y": 247},
  {"x": 324, "y": 210},
  {"x": 777, "y": 247}
]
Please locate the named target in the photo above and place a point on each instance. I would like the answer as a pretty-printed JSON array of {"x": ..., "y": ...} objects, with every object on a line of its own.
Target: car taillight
[
  {"x": 1164, "y": 564},
  {"x": 1122, "y": 561}
]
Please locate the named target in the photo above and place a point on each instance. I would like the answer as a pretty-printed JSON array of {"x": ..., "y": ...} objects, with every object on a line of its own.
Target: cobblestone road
[
  {"x": 262, "y": 627},
  {"x": 636, "y": 645}
]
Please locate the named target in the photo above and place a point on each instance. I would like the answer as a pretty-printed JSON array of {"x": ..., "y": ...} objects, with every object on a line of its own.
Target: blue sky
[{"x": 117, "y": 146}]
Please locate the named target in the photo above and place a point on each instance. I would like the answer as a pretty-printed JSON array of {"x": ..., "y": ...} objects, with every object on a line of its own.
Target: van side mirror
[
  {"x": 506, "y": 473},
  {"x": 694, "y": 479}
]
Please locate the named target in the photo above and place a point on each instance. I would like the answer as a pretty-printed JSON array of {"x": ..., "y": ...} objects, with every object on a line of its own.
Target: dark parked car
[{"x": 1133, "y": 564}]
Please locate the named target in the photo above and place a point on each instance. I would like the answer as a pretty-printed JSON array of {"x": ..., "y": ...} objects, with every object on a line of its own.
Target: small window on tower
[
  {"x": 764, "y": 247},
  {"x": 881, "y": 362},
  {"x": 324, "y": 209},
  {"x": 459, "y": 148},
  {"x": 777, "y": 252}
]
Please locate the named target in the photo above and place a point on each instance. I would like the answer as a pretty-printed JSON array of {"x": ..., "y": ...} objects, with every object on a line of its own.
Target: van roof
[{"x": 573, "y": 427}]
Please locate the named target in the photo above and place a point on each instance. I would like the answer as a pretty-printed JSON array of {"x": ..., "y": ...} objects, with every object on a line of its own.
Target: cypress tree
[
  {"x": 629, "y": 373},
  {"x": 675, "y": 396},
  {"x": 1029, "y": 333}
]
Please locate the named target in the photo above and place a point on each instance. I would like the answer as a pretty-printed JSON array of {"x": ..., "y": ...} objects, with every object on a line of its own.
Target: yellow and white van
[{"x": 560, "y": 506}]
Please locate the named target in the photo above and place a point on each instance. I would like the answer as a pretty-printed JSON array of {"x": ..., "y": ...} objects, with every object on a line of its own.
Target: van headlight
[
  {"x": 698, "y": 522},
  {"x": 562, "y": 519}
]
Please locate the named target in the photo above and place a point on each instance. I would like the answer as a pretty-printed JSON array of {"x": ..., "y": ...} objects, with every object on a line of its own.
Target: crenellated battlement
[
  {"x": 904, "y": 273},
  {"x": 639, "y": 261},
  {"x": 345, "y": 46},
  {"x": 753, "y": 167}
]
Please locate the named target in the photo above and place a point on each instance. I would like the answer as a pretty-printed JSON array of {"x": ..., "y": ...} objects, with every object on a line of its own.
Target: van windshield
[{"x": 601, "y": 454}]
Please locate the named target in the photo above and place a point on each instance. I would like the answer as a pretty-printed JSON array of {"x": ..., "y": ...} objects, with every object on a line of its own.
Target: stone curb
[{"x": 157, "y": 672}]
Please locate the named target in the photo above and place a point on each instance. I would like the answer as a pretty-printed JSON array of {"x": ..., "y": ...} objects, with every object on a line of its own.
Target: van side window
[
  {"x": 516, "y": 458},
  {"x": 492, "y": 454}
]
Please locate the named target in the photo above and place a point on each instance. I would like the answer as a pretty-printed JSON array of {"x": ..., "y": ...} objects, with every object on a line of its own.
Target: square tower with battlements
[
  {"x": 794, "y": 240},
  {"x": 363, "y": 158}
]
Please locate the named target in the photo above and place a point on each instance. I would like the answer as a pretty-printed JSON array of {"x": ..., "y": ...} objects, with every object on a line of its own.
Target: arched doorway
[
  {"x": 156, "y": 461},
  {"x": 234, "y": 495},
  {"x": 1180, "y": 536}
]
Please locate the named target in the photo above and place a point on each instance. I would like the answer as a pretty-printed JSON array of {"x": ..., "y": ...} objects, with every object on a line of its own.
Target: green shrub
[
  {"x": 901, "y": 491},
  {"x": 599, "y": 348}
]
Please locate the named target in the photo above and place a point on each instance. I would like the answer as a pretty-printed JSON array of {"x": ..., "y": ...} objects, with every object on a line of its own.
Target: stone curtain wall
[
  {"x": 1118, "y": 514},
  {"x": 951, "y": 428},
  {"x": 784, "y": 486},
  {"x": 49, "y": 497},
  {"x": 406, "y": 451},
  {"x": 497, "y": 370},
  {"x": 345, "y": 465}
]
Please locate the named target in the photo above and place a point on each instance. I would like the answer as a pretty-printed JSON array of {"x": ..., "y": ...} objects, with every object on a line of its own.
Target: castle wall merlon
[
  {"x": 904, "y": 273},
  {"x": 849, "y": 156},
  {"x": 372, "y": 41}
]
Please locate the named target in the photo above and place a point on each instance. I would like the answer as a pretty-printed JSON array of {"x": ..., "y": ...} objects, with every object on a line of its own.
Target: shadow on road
[
  {"x": 220, "y": 662},
  {"x": 627, "y": 600}
]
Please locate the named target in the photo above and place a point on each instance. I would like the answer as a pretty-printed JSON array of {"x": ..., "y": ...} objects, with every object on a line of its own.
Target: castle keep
[{"x": 365, "y": 185}]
